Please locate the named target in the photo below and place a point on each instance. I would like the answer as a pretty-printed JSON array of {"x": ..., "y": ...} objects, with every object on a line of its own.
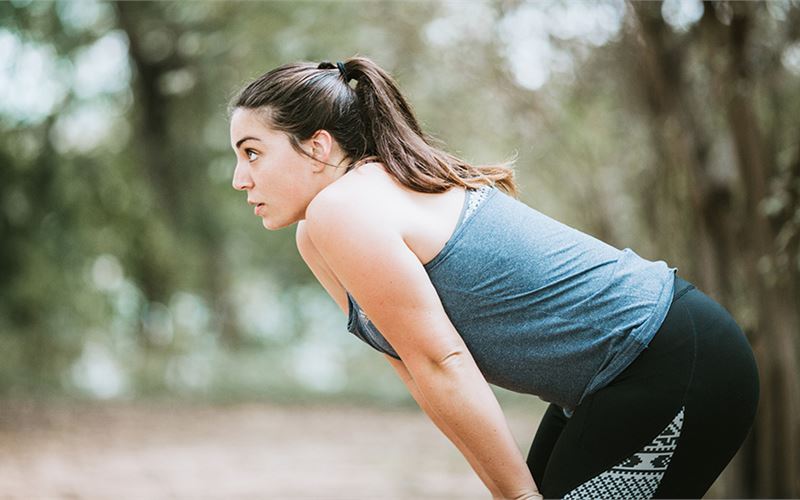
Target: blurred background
[{"x": 157, "y": 342}]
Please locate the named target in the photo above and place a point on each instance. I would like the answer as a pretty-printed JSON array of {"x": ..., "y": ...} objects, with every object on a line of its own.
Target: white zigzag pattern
[
  {"x": 639, "y": 475},
  {"x": 476, "y": 197}
]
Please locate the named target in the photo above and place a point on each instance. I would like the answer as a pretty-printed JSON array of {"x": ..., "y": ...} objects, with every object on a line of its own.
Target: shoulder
[
  {"x": 365, "y": 196},
  {"x": 355, "y": 221}
]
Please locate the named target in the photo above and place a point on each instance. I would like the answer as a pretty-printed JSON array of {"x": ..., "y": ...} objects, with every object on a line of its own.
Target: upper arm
[
  {"x": 319, "y": 268},
  {"x": 373, "y": 262}
]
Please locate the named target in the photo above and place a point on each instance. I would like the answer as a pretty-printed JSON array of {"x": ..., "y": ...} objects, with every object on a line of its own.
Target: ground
[
  {"x": 244, "y": 451},
  {"x": 154, "y": 451}
]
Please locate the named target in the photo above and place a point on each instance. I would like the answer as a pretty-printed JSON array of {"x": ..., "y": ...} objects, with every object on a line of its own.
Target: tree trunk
[
  {"x": 777, "y": 424},
  {"x": 773, "y": 447}
]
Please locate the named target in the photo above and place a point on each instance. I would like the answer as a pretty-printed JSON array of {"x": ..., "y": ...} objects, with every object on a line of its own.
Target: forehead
[{"x": 250, "y": 123}]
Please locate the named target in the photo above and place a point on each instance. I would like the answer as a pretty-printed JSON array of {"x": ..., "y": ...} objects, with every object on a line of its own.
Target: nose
[{"x": 241, "y": 178}]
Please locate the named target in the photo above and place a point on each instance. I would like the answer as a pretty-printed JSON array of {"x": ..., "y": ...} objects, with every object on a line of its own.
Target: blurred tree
[
  {"x": 710, "y": 95},
  {"x": 124, "y": 242},
  {"x": 163, "y": 72}
]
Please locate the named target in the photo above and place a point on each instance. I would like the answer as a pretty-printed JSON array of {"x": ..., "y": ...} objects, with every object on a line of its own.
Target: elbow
[
  {"x": 438, "y": 362},
  {"x": 441, "y": 373},
  {"x": 450, "y": 360},
  {"x": 424, "y": 366}
]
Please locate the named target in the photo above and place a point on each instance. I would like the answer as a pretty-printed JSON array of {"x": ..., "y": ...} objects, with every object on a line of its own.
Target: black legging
[{"x": 667, "y": 425}]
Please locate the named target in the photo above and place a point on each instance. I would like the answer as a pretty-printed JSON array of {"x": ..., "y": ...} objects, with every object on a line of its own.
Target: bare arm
[
  {"x": 334, "y": 288},
  {"x": 479, "y": 425},
  {"x": 402, "y": 372},
  {"x": 323, "y": 274},
  {"x": 373, "y": 262}
]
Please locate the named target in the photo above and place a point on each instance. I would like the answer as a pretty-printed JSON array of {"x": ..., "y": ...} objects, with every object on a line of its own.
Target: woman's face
[{"x": 279, "y": 182}]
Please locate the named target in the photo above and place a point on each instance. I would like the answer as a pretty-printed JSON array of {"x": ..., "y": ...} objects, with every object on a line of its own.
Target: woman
[{"x": 652, "y": 385}]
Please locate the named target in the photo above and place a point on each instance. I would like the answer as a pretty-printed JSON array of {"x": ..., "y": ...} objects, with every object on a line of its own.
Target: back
[{"x": 544, "y": 308}]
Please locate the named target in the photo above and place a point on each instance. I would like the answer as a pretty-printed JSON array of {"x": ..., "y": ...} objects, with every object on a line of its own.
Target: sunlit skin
[{"x": 279, "y": 181}]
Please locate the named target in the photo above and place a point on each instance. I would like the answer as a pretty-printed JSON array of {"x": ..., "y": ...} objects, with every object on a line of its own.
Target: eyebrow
[{"x": 248, "y": 138}]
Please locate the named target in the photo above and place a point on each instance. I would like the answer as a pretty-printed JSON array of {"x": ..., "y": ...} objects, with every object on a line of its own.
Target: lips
[{"x": 256, "y": 205}]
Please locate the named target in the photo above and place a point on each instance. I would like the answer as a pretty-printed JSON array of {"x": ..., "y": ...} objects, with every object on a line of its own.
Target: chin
[
  {"x": 268, "y": 224},
  {"x": 272, "y": 225}
]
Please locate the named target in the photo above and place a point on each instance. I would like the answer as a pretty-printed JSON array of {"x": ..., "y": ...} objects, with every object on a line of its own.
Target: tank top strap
[{"x": 474, "y": 199}]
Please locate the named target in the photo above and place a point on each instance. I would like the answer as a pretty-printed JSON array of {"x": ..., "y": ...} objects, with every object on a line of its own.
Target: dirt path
[{"x": 135, "y": 451}]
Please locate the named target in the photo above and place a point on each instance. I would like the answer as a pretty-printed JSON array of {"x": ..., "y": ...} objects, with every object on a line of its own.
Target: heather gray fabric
[{"x": 544, "y": 309}]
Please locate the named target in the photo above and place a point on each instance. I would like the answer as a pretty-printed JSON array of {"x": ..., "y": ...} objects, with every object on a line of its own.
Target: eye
[{"x": 251, "y": 154}]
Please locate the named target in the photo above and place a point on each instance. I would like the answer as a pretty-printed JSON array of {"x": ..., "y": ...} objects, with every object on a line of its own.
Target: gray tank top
[{"x": 544, "y": 309}]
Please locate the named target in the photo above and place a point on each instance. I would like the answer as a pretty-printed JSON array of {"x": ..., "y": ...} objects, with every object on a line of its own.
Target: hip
[{"x": 698, "y": 338}]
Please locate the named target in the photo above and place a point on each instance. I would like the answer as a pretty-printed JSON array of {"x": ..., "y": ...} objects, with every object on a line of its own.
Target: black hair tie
[{"x": 340, "y": 65}]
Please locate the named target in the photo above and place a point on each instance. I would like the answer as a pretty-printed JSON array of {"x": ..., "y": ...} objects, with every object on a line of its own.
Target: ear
[{"x": 321, "y": 144}]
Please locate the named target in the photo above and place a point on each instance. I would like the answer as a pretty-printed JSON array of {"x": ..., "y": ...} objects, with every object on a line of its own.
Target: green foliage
[{"x": 130, "y": 268}]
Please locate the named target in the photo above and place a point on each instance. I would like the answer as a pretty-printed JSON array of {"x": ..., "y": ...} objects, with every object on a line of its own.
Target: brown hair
[{"x": 372, "y": 121}]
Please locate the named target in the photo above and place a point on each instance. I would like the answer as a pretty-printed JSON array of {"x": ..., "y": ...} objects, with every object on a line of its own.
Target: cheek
[{"x": 264, "y": 177}]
